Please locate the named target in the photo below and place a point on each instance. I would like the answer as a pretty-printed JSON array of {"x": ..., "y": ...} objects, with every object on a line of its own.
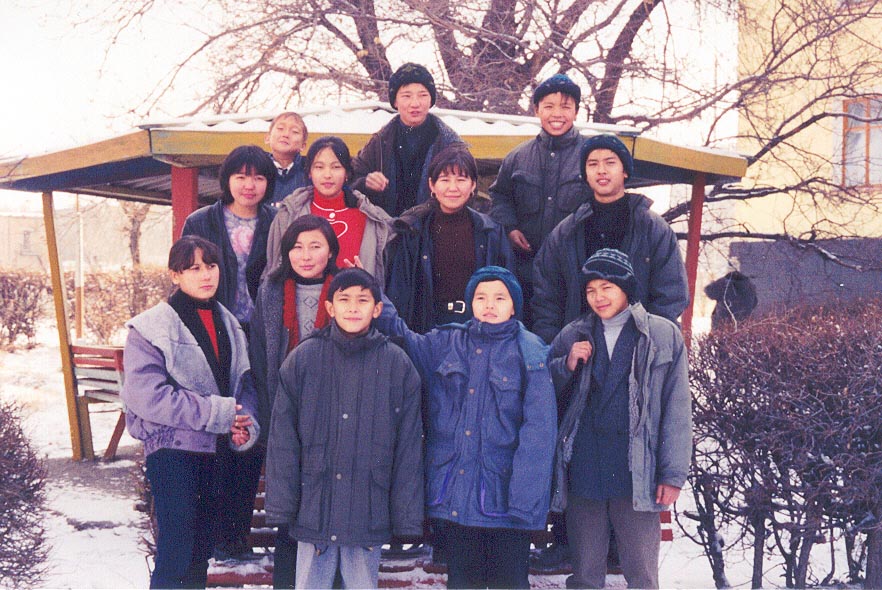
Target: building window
[{"x": 862, "y": 145}]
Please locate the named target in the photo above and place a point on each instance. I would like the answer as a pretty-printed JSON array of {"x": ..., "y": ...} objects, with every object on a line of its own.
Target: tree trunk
[{"x": 874, "y": 558}]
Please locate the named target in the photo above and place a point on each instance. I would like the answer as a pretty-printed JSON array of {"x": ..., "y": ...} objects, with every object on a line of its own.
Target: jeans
[
  {"x": 487, "y": 558},
  {"x": 317, "y": 565},
  {"x": 181, "y": 484}
]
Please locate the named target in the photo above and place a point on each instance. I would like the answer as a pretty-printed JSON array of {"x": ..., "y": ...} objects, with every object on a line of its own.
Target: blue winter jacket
[{"x": 491, "y": 421}]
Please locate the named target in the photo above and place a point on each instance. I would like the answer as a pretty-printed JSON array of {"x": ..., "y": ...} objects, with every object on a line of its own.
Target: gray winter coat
[
  {"x": 344, "y": 459},
  {"x": 559, "y": 289},
  {"x": 377, "y": 231},
  {"x": 171, "y": 396},
  {"x": 660, "y": 406}
]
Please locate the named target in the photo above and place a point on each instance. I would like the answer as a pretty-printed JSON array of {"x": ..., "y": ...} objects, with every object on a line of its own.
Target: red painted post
[
  {"x": 693, "y": 245},
  {"x": 185, "y": 196}
]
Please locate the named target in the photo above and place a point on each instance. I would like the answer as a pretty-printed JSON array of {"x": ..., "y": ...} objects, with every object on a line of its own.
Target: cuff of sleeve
[
  {"x": 222, "y": 414},
  {"x": 253, "y": 433}
]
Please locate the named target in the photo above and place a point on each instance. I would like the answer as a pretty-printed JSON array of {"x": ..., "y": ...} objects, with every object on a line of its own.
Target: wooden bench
[{"x": 98, "y": 371}]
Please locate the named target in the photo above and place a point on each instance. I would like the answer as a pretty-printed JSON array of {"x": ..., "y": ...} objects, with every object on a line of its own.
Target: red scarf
[{"x": 289, "y": 310}]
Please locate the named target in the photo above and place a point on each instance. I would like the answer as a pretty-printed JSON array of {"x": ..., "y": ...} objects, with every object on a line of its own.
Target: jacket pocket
[
  {"x": 528, "y": 193},
  {"x": 312, "y": 476},
  {"x": 381, "y": 483},
  {"x": 439, "y": 471},
  {"x": 495, "y": 480},
  {"x": 445, "y": 401},
  {"x": 572, "y": 193},
  {"x": 503, "y": 421}
]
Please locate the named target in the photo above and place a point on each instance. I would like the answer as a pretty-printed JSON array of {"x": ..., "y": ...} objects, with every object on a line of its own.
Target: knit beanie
[
  {"x": 496, "y": 273},
  {"x": 411, "y": 73},
  {"x": 607, "y": 142},
  {"x": 612, "y": 265},
  {"x": 558, "y": 83}
]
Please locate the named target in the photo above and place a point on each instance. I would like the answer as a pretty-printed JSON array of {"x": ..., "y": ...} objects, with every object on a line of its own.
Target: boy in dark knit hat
[
  {"x": 538, "y": 183},
  {"x": 392, "y": 169},
  {"x": 611, "y": 218},
  {"x": 625, "y": 440}
]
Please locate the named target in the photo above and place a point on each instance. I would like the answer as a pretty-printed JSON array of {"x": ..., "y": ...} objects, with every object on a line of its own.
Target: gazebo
[{"x": 174, "y": 163}]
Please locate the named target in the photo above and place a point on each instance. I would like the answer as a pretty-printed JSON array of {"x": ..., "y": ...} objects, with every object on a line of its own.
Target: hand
[
  {"x": 239, "y": 430},
  {"x": 376, "y": 181},
  {"x": 581, "y": 351},
  {"x": 354, "y": 263},
  {"x": 519, "y": 241},
  {"x": 665, "y": 494}
]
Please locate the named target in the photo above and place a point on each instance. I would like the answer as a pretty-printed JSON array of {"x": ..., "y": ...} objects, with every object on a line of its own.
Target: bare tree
[{"x": 136, "y": 214}]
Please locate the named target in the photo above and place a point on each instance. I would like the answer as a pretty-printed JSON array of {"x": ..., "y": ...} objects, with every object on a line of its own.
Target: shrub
[
  {"x": 788, "y": 436},
  {"x": 22, "y": 303},
  {"x": 22, "y": 475}
]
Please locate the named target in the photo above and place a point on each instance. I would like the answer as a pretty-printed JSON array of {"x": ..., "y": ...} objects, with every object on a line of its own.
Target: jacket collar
[{"x": 562, "y": 141}]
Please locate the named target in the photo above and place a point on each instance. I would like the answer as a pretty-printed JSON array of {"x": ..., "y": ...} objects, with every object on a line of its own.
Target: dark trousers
[
  {"x": 638, "y": 535},
  {"x": 238, "y": 484},
  {"x": 184, "y": 504},
  {"x": 487, "y": 558},
  {"x": 284, "y": 559}
]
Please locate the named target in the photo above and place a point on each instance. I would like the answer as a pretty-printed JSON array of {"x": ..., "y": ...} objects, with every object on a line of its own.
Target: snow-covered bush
[
  {"x": 113, "y": 297},
  {"x": 789, "y": 437},
  {"x": 22, "y": 536},
  {"x": 22, "y": 299}
]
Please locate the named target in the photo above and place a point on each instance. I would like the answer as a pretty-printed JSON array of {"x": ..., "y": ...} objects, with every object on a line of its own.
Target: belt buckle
[{"x": 456, "y": 306}]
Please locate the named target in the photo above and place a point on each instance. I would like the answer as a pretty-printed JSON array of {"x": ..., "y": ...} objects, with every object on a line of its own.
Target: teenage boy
[
  {"x": 286, "y": 138},
  {"x": 392, "y": 169},
  {"x": 344, "y": 460},
  {"x": 625, "y": 441},
  {"x": 538, "y": 183},
  {"x": 611, "y": 218}
]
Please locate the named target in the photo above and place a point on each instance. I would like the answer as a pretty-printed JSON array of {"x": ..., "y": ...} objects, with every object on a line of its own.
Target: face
[
  {"x": 606, "y": 175},
  {"x": 285, "y": 139},
  {"x": 353, "y": 309},
  {"x": 606, "y": 299},
  {"x": 453, "y": 190},
  {"x": 413, "y": 102},
  {"x": 199, "y": 280},
  {"x": 492, "y": 303},
  {"x": 556, "y": 113},
  {"x": 310, "y": 254},
  {"x": 327, "y": 174},
  {"x": 248, "y": 190}
]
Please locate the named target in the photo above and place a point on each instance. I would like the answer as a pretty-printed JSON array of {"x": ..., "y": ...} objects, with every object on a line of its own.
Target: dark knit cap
[
  {"x": 607, "y": 142},
  {"x": 612, "y": 265},
  {"x": 496, "y": 273},
  {"x": 411, "y": 73},
  {"x": 558, "y": 83}
]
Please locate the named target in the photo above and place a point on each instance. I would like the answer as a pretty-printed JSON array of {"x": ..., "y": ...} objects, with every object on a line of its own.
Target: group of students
[{"x": 391, "y": 355}]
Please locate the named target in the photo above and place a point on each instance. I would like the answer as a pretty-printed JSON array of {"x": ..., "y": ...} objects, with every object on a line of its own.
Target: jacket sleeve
[
  {"x": 561, "y": 376},
  {"x": 367, "y": 160},
  {"x": 407, "y": 469},
  {"x": 151, "y": 394},
  {"x": 530, "y": 486},
  {"x": 549, "y": 290},
  {"x": 502, "y": 197},
  {"x": 273, "y": 243},
  {"x": 259, "y": 363},
  {"x": 668, "y": 286},
  {"x": 675, "y": 428},
  {"x": 283, "y": 450},
  {"x": 247, "y": 398},
  {"x": 418, "y": 346}
]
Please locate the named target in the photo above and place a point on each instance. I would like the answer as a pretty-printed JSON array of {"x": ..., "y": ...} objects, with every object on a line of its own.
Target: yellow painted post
[{"x": 58, "y": 290}]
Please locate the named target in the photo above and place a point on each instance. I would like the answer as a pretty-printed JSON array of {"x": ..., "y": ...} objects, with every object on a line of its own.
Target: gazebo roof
[{"x": 136, "y": 165}]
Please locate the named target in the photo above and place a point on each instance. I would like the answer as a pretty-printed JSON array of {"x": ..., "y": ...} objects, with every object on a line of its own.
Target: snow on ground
[{"x": 97, "y": 535}]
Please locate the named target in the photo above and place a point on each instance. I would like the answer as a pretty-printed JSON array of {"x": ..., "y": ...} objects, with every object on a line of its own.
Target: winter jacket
[
  {"x": 660, "y": 406},
  {"x": 377, "y": 231},
  {"x": 491, "y": 421},
  {"x": 559, "y": 295},
  {"x": 295, "y": 178},
  {"x": 539, "y": 184},
  {"x": 171, "y": 395},
  {"x": 208, "y": 223},
  {"x": 409, "y": 261},
  {"x": 378, "y": 155},
  {"x": 344, "y": 459}
]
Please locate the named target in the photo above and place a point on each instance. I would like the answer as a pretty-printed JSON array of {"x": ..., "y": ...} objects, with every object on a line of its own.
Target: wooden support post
[
  {"x": 80, "y": 449},
  {"x": 693, "y": 246},
  {"x": 185, "y": 196}
]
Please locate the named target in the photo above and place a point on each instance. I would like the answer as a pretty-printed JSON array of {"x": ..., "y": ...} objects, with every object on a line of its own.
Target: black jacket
[{"x": 559, "y": 286}]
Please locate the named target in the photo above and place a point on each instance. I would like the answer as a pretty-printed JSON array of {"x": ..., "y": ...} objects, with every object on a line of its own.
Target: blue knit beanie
[
  {"x": 496, "y": 273},
  {"x": 558, "y": 83},
  {"x": 612, "y": 265},
  {"x": 411, "y": 73},
  {"x": 607, "y": 142}
]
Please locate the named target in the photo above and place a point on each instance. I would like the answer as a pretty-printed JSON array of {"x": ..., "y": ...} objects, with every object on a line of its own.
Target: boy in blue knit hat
[
  {"x": 625, "y": 439},
  {"x": 491, "y": 420}
]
